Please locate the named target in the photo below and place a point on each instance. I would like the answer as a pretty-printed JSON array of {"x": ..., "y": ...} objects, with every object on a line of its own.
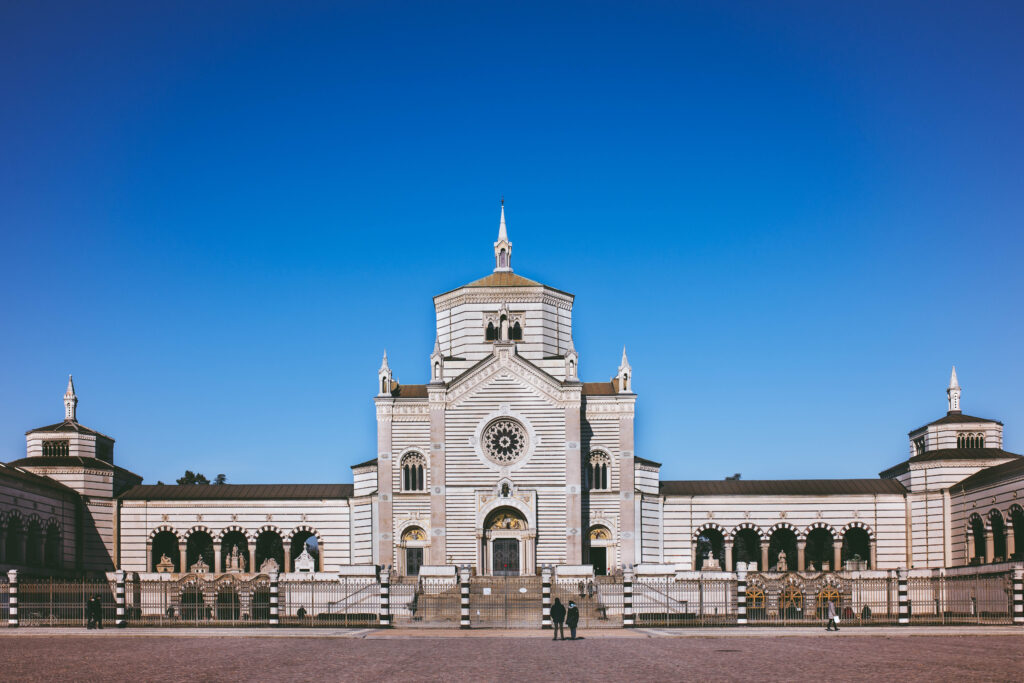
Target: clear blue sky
[{"x": 796, "y": 216}]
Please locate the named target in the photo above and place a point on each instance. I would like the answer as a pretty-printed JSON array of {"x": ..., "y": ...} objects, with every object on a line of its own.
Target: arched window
[
  {"x": 55, "y": 449},
  {"x": 995, "y": 519},
  {"x": 977, "y": 532},
  {"x": 598, "y": 478},
  {"x": 819, "y": 549},
  {"x": 503, "y": 259},
  {"x": 970, "y": 440},
  {"x": 517, "y": 332},
  {"x": 857, "y": 548},
  {"x": 490, "y": 334},
  {"x": 746, "y": 547},
  {"x": 414, "y": 468}
]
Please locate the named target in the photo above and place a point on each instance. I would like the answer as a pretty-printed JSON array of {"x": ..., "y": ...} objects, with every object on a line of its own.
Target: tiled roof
[
  {"x": 238, "y": 492},
  {"x": 62, "y": 461},
  {"x": 598, "y": 389},
  {"x": 991, "y": 475},
  {"x": 951, "y": 454},
  {"x": 505, "y": 279},
  {"x": 955, "y": 418},
  {"x": 68, "y": 426},
  {"x": 14, "y": 472},
  {"x": 410, "y": 391},
  {"x": 782, "y": 487}
]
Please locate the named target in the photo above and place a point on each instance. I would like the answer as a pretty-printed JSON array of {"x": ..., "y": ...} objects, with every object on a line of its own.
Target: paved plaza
[{"x": 995, "y": 654}]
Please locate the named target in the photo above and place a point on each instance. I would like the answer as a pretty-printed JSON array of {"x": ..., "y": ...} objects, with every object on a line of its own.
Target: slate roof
[
  {"x": 14, "y": 472},
  {"x": 952, "y": 454},
  {"x": 955, "y": 418},
  {"x": 68, "y": 426},
  {"x": 782, "y": 487},
  {"x": 237, "y": 492},
  {"x": 991, "y": 475}
]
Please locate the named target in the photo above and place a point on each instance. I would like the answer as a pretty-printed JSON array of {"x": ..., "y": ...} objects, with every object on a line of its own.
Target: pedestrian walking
[
  {"x": 583, "y": 590},
  {"x": 833, "y": 618},
  {"x": 591, "y": 589},
  {"x": 558, "y": 618},
  {"x": 572, "y": 618}
]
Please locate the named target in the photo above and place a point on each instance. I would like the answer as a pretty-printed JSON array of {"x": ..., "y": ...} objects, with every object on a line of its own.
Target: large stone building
[{"x": 506, "y": 461}]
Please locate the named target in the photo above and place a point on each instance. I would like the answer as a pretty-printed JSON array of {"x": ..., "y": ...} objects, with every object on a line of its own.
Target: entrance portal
[
  {"x": 506, "y": 557},
  {"x": 413, "y": 561},
  {"x": 599, "y": 559}
]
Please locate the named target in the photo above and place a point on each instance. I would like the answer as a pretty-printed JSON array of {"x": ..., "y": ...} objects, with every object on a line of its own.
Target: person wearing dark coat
[
  {"x": 94, "y": 610},
  {"x": 572, "y": 618},
  {"x": 557, "y": 618}
]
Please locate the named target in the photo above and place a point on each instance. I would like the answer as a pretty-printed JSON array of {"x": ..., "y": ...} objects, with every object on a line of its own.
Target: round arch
[
  {"x": 197, "y": 528},
  {"x": 162, "y": 529},
  {"x": 787, "y": 526},
  {"x": 744, "y": 527},
  {"x": 234, "y": 528},
  {"x": 858, "y": 525}
]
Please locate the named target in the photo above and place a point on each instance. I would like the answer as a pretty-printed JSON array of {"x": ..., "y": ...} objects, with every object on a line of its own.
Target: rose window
[{"x": 504, "y": 441}]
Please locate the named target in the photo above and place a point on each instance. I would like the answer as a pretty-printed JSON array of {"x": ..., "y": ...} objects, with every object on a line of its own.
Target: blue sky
[{"x": 796, "y": 216}]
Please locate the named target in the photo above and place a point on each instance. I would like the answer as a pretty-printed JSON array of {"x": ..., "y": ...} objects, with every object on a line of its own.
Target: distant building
[{"x": 505, "y": 461}]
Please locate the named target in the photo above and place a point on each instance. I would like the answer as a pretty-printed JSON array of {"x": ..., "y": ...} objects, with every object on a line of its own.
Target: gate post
[
  {"x": 545, "y": 586},
  {"x": 385, "y": 597},
  {"x": 120, "y": 622},
  {"x": 627, "y": 600},
  {"x": 12, "y": 600},
  {"x": 1018, "y": 597},
  {"x": 904, "y": 603},
  {"x": 274, "y": 615},
  {"x": 741, "y": 598},
  {"x": 464, "y": 597}
]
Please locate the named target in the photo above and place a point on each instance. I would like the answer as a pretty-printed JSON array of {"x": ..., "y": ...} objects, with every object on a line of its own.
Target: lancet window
[
  {"x": 970, "y": 440},
  {"x": 598, "y": 471},
  {"x": 414, "y": 467}
]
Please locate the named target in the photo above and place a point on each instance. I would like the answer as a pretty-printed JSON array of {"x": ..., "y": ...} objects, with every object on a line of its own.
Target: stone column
[
  {"x": 837, "y": 556},
  {"x": 1011, "y": 542},
  {"x": 252, "y": 558},
  {"x": 149, "y": 555},
  {"x": 574, "y": 522},
  {"x": 120, "y": 621},
  {"x": 971, "y": 550},
  {"x": 764, "y": 556},
  {"x": 438, "y": 550},
  {"x": 628, "y": 618},
  {"x": 728, "y": 557},
  {"x": 990, "y": 547},
  {"x": 183, "y": 559},
  {"x": 545, "y": 587},
  {"x": 287, "y": 558},
  {"x": 320, "y": 556},
  {"x": 274, "y": 615},
  {"x": 741, "y": 599},
  {"x": 904, "y": 603},
  {"x": 801, "y": 551},
  {"x": 627, "y": 509},
  {"x": 1018, "y": 596},
  {"x": 464, "y": 597},
  {"x": 12, "y": 599},
  {"x": 874, "y": 554},
  {"x": 385, "y": 486},
  {"x": 216, "y": 558},
  {"x": 385, "y": 599}
]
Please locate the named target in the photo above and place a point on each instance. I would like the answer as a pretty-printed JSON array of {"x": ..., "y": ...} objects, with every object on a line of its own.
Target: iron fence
[
  {"x": 971, "y": 599},
  {"x": 49, "y": 602},
  {"x": 599, "y": 600},
  {"x": 684, "y": 602},
  {"x": 349, "y": 601},
  {"x": 505, "y": 602},
  {"x": 433, "y": 601}
]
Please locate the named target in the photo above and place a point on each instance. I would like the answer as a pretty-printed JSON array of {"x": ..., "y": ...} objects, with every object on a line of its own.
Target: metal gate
[
  {"x": 684, "y": 602},
  {"x": 505, "y": 602},
  {"x": 419, "y": 601},
  {"x": 599, "y": 600},
  {"x": 47, "y": 602}
]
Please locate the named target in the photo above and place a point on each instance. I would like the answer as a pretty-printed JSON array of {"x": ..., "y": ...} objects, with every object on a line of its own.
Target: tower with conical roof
[{"x": 70, "y": 402}]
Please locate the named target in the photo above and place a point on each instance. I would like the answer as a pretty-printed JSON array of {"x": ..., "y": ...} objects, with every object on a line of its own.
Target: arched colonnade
[
  {"x": 232, "y": 549},
  {"x": 784, "y": 547}
]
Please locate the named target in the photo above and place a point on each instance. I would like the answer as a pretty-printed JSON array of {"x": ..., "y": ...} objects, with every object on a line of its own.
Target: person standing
[
  {"x": 90, "y": 612},
  {"x": 572, "y": 618},
  {"x": 97, "y": 605},
  {"x": 832, "y": 618},
  {"x": 558, "y": 618}
]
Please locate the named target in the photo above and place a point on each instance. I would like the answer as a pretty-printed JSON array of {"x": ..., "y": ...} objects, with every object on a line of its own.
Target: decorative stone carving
[
  {"x": 504, "y": 441},
  {"x": 200, "y": 567},
  {"x": 270, "y": 566},
  {"x": 235, "y": 561},
  {"x": 305, "y": 562},
  {"x": 165, "y": 566},
  {"x": 781, "y": 564}
]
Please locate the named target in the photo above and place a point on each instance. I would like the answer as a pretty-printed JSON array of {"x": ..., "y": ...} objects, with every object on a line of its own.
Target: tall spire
[
  {"x": 953, "y": 393},
  {"x": 70, "y": 402},
  {"x": 625, "y": 375},
  {"x": 384, "y": 377},
  {"x": 502, "y": 248}
]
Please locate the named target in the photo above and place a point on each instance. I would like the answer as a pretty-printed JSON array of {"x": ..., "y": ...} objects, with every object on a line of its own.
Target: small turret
[
  {"x": 625, "y": 376},
  {"x": 502, "y": 248},
  {"x": 70, "y": 402},
  {"x": 953, "y": 393},
  {"x": 571, "y": 363},
  {"x": 437, "y": 362},
  {"x": 384, "y": 377}
]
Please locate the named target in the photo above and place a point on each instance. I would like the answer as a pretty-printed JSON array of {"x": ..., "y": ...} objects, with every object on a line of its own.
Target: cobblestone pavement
[{"x": 33, "y": 656}]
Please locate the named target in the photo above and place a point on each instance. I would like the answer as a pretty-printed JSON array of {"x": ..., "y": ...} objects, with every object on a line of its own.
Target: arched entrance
[
  {"x": 599, "y": 545},
  {"x": 507, "y": 543}
]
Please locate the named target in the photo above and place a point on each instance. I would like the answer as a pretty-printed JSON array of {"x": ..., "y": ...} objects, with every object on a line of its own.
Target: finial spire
[
  {"x": 70, "y": 402},
  {"x": 625, "y": 376},
  {"x": 953, "y": 392},
  {"x": 502, "y": 248},
  {"x": 384, "y": 377}
]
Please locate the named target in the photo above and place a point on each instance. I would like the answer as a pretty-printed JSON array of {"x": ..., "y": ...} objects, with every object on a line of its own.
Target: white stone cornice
[{"x": 509, "y": 295}]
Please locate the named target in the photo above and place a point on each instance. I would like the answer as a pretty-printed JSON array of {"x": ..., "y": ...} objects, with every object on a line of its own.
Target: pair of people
[
  {"x": 94, "y": 612},
  {"x": 560, "y": 617}
]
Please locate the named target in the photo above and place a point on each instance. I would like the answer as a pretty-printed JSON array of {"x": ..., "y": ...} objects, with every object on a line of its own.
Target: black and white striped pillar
[
  {"x": 120, "y": 622},
  {"x": 741, "y": 599},
  {"x": 385, "y": 597},
  {"x": 545, "y": 587},
  {"x": 904, "y": 602},
  {"x": 628, "y": 620},
  {"x": 274, "y": 614},
  {"x": 464, "y": 598},
  {"x": 12, "y": 600},
  {"x": 1018, "y": 597}
]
